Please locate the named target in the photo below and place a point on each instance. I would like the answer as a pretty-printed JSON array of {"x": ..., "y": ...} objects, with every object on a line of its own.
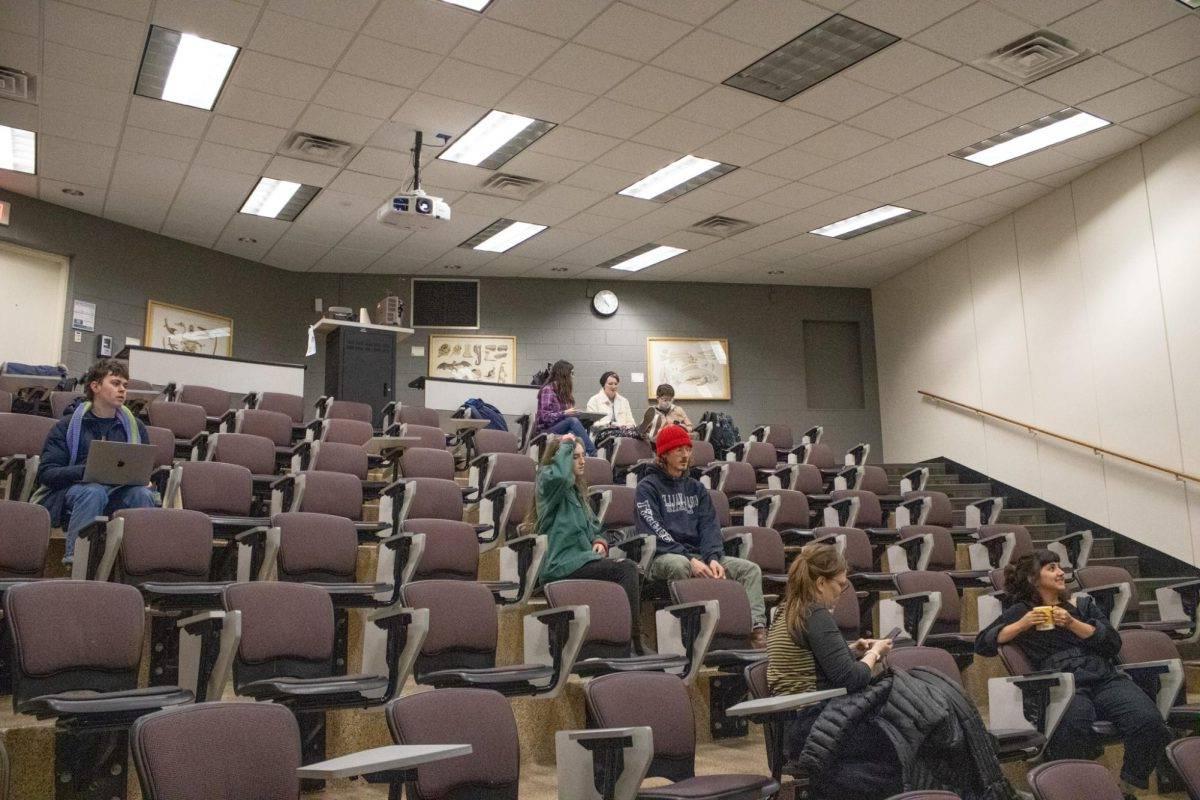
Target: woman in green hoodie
[{"x": 576, "y": 549}]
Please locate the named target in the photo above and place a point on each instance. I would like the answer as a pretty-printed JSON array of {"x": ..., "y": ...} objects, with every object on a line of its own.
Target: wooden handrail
[{"x": 1095, "y": 448}]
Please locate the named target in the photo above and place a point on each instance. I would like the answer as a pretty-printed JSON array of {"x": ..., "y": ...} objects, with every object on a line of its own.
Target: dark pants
[
  {"x": 1119, "y": 701},
  {"x": 573, "y": 425},
  {"x": 624, "y": 572}
]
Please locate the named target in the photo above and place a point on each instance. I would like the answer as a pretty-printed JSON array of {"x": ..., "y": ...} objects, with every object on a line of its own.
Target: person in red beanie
[{"x": 675, "y": 508}]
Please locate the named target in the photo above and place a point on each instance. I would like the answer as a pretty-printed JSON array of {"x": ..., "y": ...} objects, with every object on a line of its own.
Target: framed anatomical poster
[
  {"x": 473, "y": 358},
  {"x": 697, "y": 368},
  {"x": 186, "y": 330}
]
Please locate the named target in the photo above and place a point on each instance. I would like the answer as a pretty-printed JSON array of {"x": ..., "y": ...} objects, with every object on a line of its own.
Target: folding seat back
[
  {"x": 720, "y": 502},
  {"x": 765, "y": 547},
  {"x": 23, "y": 435},
  {"x": 427, "y": 462},
  {"x": 1184, "y": 755},
  {"x": 870, "y": 513},
  {"x": 333, "y": 493},
  {"x": 941, "y": 555},
  {"x": 809, "y": 479},
  {"x": 215, "y": 402},
  {"x": 735, "y": 623},
  {"x": 274, "y": 425},
  {"x": 737, "y": 478},
  {"x": 784, "y": 509},
  {"x": 426, "y": 435},
  {"x": 1071, "y": 779},
  {"x": 703, "y": 453},
  {"x": 511, "y": 467},
  {"x": 779, "y": 436},
  {"x": 24, "y": 539},
  {"x": 5, "y": 402},
  {"x": 348, "y": 409},
  {"x": 627, "y": 451},
  {"x": 216, "y": 488},
  {"x": 184, "y": 420},
  {"x": 997, "y": 546},
  {"x": 941, "y": 513},
  {"x": 934, "y": 658},
  {"x": 820, "y": 456},
  {"x": 346, "y": 431},
  {"x": 874, "y": 479},
  {"x": 315, "y": 548},
  {"x": 652, "y": 699},
  {"x": 610, "y": 633},
  {"x": 857, "y": 547},
  {"x": 432, "y": 498},
  {"x": 60, "y": 401},
  {"x": 618, "y": 506},
  {"x": 164, "y": 443},
  {"x": 847, "y": 614},
  {"x": 416, "y": 415},
  {"x": 1022, "y": 541},
  {"x": 759, "y": 455},
  {"x": 489, "y": 441},
  {"x": 255, "y": 453},
  {"x": 451, "y": 550},
  {"x": 165, "y": 545},
  {"x": 349, "y": 459},
  {"x": 235, "y": 751},
  {"x": 1111, "y": 587},
  {"x": 287, "y": 630},
  {"x": 597, "y": 471},
  {"x": 462, "y": 625},
  {"x": 949, "y": 616},
  {"x": 481, "y": 718},
  {"x": 290, "y": 404}
]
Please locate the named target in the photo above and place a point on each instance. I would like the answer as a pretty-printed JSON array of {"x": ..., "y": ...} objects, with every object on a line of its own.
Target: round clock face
[{"x": 605, "y": 303}]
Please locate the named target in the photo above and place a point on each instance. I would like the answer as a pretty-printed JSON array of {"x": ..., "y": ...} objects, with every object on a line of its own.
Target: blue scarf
[{"x": 125, "y": 419}]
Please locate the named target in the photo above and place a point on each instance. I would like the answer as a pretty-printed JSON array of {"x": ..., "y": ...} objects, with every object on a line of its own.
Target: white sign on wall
[{"x": 83, "y": 316}]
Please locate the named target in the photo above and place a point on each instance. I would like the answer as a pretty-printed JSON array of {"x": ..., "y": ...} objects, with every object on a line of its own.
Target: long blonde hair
[
  {"x": 815, "y": 561},
  {"x": 532, "y": 521}
]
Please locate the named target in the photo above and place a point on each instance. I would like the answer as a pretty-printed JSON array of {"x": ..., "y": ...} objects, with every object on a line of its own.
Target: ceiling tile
[
  {"x": 290, "y": 37},
  {"x": 933, "y": 200},
  {"x": 277, "y": 76},
  {"x": 792, "y": 163},
  {"x": 469, "y": 83},
  {"x": 1043, "y": 162},
  {"x": 657, "y": 89},
  {"x": 1185, "y": 77},
  {"x": 553, "y": 243},
  {"x": 89, "y": 101},
  {"x": 554, "y": 17},
  {"x": 948, "y": 135},
  {"x": 448, "y": 175},
  {"x": 574, "y": 143},
  {"x": 223, "y": 21},
  {"x": 133, "y": 9},
  {"x": 673, "y": 132},
  {"x": 725, "y": 107},
  {"x": 67, "y": 125},
  {"x": 796, "y": 196},
  {"x": 903, "y": 19},
  {"x": 505, "y": 47},
  {"x": 149, "y": 176},
  {"x": 1020, "y": 195},
  {"x": 705, "y": 55},
  {"x": 734, "y": 148},
  {"x": 706, "y": 200},
  {"x": 589, "y": 223},
  {"x": 236, "y": 159},
  {"x": 361, "y": 96},
  {"x": 614, "y": 119},
  {"x": 1171, "y": 44},
  {"x": 20, "y": 16},
  {"x": 896, "y": 117},
  {"x": 692, "y": 11},
  {"x": 1010, "y": 110},
  {"x": 134, "y": 209},
  {"x": 24, "y": 52},
  {"x": 1041, "y": 12},
  {"x": 585, "y": 69},
  {"x": 1102, "y": 144},
  {"x": 982, "y": 183},
  {"x": 847, "y": 176},
  {"x": 74, "y": 162},
  {"x": 485, "y": 206},
  {"x": 766, "y": 23},
  {"x": 601, "y": 179},
  {"x": 1085, "y": 80},
  {"x": 373, "y": 186},
  {"x": 391, "y": 63},
  {"x": 25, "y": 115},
  {"x": 166, "y": 117},
  {"x": 347, "y": 14},
  {"x": 154, "y": 143},
  {"x": 1133, "y": 100},
  {"x": 1107, "y": 23},
  {"x": 80, "y": 66},
  {"x": 431, "y": 114},
  {"x": 332, "y": 123},
  {"x": 958, "y": 90},
  {"x": 785, "y": 125},
  {"x": 639, "y": 158},
  {"x": 91, "y": 202},
  {"x": 840, "y": 141},
  {"x": 433, "y": 27},
  {"x": 345, "y": 259},
  {"x": 542, "y": 166},
  {"x": 900, "y": 67},
  {"x": 292, "y": 169},
  {"x": 978, "y": 211},
  {"x": 543, "y": 101},
  {"x": 258, "y": 106},
  {"x": 89, "y": 30},
  {"x": 569, "y": 198},
  {"x": 241, "y": 133},
  {"x": 631, "y": 32},
  {"x": 294, "y": 255},
  {"x": 838, "y": 98},
  {"x": 1160, "y": 120},
  {"x": 973, "y": 32}
]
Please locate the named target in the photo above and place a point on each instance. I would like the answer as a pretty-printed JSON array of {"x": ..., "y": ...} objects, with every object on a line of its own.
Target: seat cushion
[{"x": 713, "y": 787}]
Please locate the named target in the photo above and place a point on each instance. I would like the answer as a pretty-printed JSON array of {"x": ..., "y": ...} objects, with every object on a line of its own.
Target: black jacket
[{"x": 679, "y": 514}]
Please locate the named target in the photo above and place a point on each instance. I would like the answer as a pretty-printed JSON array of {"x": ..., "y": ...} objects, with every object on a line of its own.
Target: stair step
[
  {"x": 1101, "y": 548},
  {"x": 936, "y": 468},
  {"x": 1146, "y": 586},
  {"x": 1048, "y": 530},
  {"x": 1015, "y": 516},
  {"x": 1130, "y": 564}
]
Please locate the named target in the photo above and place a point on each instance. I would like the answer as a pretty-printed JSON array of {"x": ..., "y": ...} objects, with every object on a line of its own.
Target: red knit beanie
[{"x": 671, "y": 437}]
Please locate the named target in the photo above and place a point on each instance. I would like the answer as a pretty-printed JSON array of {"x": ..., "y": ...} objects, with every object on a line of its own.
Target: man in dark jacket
[
  {"x": 675, "y": 508},
  {"x": 61, "y": 489}
]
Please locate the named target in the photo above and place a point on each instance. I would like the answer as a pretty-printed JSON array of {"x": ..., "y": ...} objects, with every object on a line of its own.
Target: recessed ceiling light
[
  {"x": 677, "y": 178},
  {"x": 182, "y": 68},
  {"x": 558, "y": 269},
  {"x": 247, "y": 240},
  {"x": 866, "y": 222},
  {"x": 452, "y": 266},
  {"x": 18, "y": 150},
  {"x": 1031, "y": 137},
  {"x": 818, "y": 53},
  {"x": 279, "y": 199},
  {"x": 495, "y": 139},
  {"x": 645, "y": 256},
  {"x": 503, "y": 235},
  {"x": 474, "y": 5},
  {"x": 72, "y": 192}
]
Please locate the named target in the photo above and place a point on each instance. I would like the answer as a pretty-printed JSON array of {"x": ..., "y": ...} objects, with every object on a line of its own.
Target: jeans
[
  {"x": 86, "y": 501},
  {"x": 671, "y": 567},
  {"x": 573, "y": 425},
  {"x": 1136, "y": 717},
  {"x": 624, "y": 572}
]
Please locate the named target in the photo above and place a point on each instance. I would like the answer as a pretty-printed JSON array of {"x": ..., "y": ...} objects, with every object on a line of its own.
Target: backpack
[
  {"x": 724, "y": 433},
  {"x": 477, "y": 409},
  {"x": 541, "y": 376}
]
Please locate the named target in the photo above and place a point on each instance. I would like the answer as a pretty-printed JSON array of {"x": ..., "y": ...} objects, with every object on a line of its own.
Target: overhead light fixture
[
  {"x": 279, "y": 199},
  {"x": 18, "y": 150},
  {"x": 645, "y": 256},
  {"x": 820, "y": 52},
  {"x": 495, "y": 139},
  {"x": 866, "y": 222},
  {"x": 676, "y": 178},
  {"x": 474, "y": 5},
  {"x": 503, "y": 235},
  {"x": 183, "y": 68},
  {"x": 1031, "y": 137}
]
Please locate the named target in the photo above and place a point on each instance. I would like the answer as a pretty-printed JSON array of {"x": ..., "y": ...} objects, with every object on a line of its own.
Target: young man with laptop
[{"x": 78, "y": 479}]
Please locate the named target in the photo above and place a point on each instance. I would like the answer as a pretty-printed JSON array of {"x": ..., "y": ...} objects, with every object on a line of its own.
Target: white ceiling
[{"x": 632, "y": 85}]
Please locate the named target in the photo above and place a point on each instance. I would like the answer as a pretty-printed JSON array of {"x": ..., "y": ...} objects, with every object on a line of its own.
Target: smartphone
[{"x": 893, "y": 633}]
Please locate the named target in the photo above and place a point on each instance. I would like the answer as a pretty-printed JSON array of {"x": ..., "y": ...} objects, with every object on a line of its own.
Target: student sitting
[
  {"x": 614, "y": 406},
  {"x": 102, "y": 415},
  {"x": 556, "y": 411},
  {"x": 576, "y": 547},
  {"x": 1083, "y": 642},
  {"x": 664, "y": 412}
]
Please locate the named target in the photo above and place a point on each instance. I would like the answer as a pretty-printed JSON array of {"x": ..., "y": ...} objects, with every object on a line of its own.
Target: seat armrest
[
  {"x": 740, "y": 501},
  {"x": 738, "y": 449},
  {"x": 639, "y": 548},
  {"x": 1030, "y": 702},
  {"x": 759, "y": 434},
  {"x": 712, "y": 471},
  {"x": 554, "y": 637},
  {"x": 199, "y": 443},
  {"x": 397, "y": 760},
  {"x": 95, "y": 550},
  {"x": 686, "y": 629},
  {"x": 1162, "y": 680},
  {"x": 521, "y": 563},
  {"x": 208, "y": 642},
  {"x": 245, "y": 536},
  {"x": 784, "y": 706},
  {"x": 1104, "y": 589},
  {"x": 250, "y": 400},
  {"x": 228, "y": 418}
]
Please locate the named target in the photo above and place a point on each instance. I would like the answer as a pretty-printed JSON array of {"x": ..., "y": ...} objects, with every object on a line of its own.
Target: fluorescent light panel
[
  {"x": 1031, "y": 137},
  {"x": 866, "y": 222},
  {"x": 278, "y": 199},
  {"x": 183, "y": 68},
  {"x": 495, "y": 139},
  {"x": 474, "y": 5},
  {"x": 676, "y": 178},
  {"x": 820, "y": 52},
  {"x": 645, "y": 256},
  {"x": 503, "y": 235},
  {"x": 18, "y": 150}
]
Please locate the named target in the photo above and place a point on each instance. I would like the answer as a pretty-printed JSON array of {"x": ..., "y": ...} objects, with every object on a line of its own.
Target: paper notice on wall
[
  {"x": 312, "y": 343},
  {"x": 637, "y": 377},
  {"x": 83, "y": 316}
]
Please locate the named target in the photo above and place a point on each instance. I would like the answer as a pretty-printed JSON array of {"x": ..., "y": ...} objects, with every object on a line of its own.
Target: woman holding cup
[{"x": 1058, "y": 634}]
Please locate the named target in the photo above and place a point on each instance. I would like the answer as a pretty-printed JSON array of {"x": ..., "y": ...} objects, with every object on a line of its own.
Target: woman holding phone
[{"x": 1057, "y": 634}]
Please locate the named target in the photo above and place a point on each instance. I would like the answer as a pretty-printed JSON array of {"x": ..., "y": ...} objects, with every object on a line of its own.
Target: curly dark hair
[
  {"x": 101, "y": 370},
  {"x": 1021, "y": 577}
]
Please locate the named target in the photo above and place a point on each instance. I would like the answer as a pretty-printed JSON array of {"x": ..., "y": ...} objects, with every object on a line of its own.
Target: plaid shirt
[{"x": 550, "y": 408}]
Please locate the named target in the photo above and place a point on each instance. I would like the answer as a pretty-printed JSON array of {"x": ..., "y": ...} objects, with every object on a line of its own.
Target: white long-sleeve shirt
[{"x": 616, "y": 411}]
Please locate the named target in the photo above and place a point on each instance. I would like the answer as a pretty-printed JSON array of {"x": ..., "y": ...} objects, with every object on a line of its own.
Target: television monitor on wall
[{"x": 445, "y": 303}]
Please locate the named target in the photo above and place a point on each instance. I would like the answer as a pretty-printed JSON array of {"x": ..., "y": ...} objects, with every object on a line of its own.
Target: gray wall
[{"x": 119, "y": 268}]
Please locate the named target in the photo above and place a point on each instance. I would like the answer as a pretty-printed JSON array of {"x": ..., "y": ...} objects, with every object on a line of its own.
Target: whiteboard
[
  {"x": 33, "y": 305},
  {"x": 161, "y": 367}
]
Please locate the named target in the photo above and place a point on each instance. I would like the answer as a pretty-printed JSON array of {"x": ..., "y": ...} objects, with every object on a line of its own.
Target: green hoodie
[{"x": 570, "y": 526}]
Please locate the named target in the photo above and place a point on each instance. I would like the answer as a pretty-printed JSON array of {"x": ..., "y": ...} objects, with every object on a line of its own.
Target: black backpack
[
  {"x": 724, "y": 433},
  {"x": 541, "y": 376}
]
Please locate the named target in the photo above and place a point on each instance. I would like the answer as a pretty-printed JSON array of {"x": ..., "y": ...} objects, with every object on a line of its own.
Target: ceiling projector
[{"x": 416, "y": 211}]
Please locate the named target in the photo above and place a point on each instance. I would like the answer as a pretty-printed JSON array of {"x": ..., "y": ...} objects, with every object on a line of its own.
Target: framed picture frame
[
  {"x": 697, "y": 368},
  {"x": 491, "y": 359},
  {"x": 187, "y": 330}
]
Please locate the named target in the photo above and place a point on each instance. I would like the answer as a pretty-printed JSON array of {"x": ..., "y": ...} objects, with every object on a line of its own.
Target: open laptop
[{"x": 119, "y": 463}]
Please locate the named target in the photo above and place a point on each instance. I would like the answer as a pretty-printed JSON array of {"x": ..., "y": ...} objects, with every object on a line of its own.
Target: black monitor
[{"x": 445, "y": 303}]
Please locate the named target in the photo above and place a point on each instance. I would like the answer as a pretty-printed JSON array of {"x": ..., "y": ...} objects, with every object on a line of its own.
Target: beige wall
[{"x": 1079, "y": 313}]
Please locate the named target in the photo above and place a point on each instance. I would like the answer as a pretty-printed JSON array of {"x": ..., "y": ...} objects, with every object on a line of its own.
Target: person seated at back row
[
  {"x": 556, "y": 412},
  {"x": 675, "y": 508},
  {"x": 614, "y": 406},
  {"x": 664, "y": 412},
  {"x": 101, "y": 416}
]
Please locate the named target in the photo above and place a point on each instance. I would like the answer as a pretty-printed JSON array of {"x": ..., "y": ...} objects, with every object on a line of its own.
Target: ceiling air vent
[
  {"x": 718, "y": 225},
  {"x": 1034, "y": 56},
  {"x": 17, "y": 85},
  {"x": 319, "y": 149},
  {"x": 514, "y": 187}
]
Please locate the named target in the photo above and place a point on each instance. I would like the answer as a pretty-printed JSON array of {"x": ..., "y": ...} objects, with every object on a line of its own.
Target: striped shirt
[{"x": 790, "y": 667}]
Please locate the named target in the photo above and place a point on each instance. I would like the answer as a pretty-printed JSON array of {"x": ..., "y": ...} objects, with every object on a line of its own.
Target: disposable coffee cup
[{"x": 1048, "y": 613}]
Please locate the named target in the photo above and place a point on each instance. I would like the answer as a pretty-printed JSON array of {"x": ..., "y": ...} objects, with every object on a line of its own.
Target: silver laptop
[{"x": 119, "y": 463}]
